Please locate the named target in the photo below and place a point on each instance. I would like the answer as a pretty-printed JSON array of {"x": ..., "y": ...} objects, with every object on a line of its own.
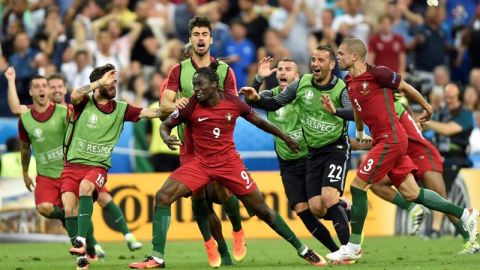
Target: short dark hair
[
  {"x": 210, "y": 72},
  {"x": 56, "y": 76},
  {"x": 35, "y": 77},
  {"x": 98, "y": 72},
  {"x": 286, "y": 59},
  {"x": 199, "y": 21},
  {"x": 327, "y": 48}
]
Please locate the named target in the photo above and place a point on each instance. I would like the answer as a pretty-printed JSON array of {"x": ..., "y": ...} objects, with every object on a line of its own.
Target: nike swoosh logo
[
  {"x": 81, "y": 215},
  {"x": 334, "y": 180},
  {"x": 249, "y": 185},
  {"x": 201, "y": 119}
]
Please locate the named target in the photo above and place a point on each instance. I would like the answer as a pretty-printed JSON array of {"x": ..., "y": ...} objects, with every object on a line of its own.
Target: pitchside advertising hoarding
[{"x": 135, "y": 194}]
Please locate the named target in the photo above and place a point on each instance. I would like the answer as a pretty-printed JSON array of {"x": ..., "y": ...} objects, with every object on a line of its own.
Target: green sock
[
  {"x": 57, "y": 213},
  {"x": 116, "y": 216},
  {"x": 223, "y": 250},
  {"x": 232, "y": 209},
  {"x": 359, "y": 213},
  {"x": 200, "y": 212},
  {"x": 402, "y": 203},
  {"x": 161, "y": 222},
  {"x": 91, "y": 241},
  {"x": 85, "y": 209},
  {"x": 461, "y": 230},
  {"x": 432, "y": 200},
  {"x": 71, "y": 224},
  {"x": 282, "y": 229}
]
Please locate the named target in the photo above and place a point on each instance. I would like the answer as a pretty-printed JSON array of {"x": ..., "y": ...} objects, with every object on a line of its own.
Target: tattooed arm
[
  {"x": 108, "y": 78},
  {"x": 26, "y": 153}
]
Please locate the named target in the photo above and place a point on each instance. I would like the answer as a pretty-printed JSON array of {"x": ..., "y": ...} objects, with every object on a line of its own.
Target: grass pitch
[{"x": 378, "y": 253}]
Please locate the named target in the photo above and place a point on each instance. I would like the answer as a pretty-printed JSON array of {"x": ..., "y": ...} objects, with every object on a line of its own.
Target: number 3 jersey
[
  {"x": 212, "y": 127},
  {"x": 371, "y": 94}
]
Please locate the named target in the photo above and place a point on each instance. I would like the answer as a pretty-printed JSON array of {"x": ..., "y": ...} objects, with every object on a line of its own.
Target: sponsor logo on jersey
[
  {"x": 50, "y": 156},
  {"x": 307, "y": 97},
  {"x": 93, "y": 148}
]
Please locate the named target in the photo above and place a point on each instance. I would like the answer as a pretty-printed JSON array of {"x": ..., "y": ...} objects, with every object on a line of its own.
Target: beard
[
  {"x": 201, "y": 54},
  {"x": 104, "y": 92}
]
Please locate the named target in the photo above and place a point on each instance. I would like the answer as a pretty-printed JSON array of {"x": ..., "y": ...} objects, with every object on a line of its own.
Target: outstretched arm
[
  {"x": 107, "y": 79},
  {"x": 165, "y": 130},
  {"x": 272, "y": 103},
  {"x": 151, "y": 113},
  {"x": 274, "y": 130},
  {"x": 13, "y": 102}
]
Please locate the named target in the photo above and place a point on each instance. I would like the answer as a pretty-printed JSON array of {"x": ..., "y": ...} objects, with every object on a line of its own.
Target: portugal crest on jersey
[
  {"x": 229, "y": 118},
  {"x": 365, "y": 89}
]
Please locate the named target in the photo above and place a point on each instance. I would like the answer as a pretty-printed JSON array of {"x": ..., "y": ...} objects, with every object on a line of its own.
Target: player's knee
[
  {"x": 316, "y": 207},
  {"x": 45, "y": 209},
  {"x": 86, "y": 188},
  {"x": 70, "y": 211},
  {"x": 222, "y": 193},
  {"x": 410, "y": 196},
  {"x": 329, "y": 199},
  {"x": 104, "y": 198},
  {"x": 162, "y": 199},
  {"x": 300, "y": 207}
]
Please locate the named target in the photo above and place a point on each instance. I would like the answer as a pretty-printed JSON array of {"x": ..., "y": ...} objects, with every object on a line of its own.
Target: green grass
[{"x": 378, "y": 253}]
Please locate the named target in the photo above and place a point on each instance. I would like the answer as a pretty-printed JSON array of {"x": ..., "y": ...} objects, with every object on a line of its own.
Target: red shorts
[
  {"x": 187, "y": 153},
  {"x": 47, "y": 190},
  {"x": 73, "y": 174},
  {"x": 386, "y": 159},
  {"x": 426, "y": 157},
  {"x": 233, "y": 175}
]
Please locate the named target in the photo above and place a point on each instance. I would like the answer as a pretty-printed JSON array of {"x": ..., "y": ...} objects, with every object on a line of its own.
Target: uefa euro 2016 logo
[
  {"x": 92, "y": 121},
  {"x": 38, "y": 135}
]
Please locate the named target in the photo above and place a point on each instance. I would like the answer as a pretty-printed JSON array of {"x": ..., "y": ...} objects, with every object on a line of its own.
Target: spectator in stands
[
  {"x": 23, "y": 60},
  {"x": 77, "y": 73},
  {"x": 431, "y": 42},
  {"x": 471, "y": 39},
  {"x": 254, "y": 21},
  {"x": 182, "y": 14},
  {"x": 220, "y": 31},
  {"x": 18, "y": 12},
  {"x": 326, "y": 35},
  {"x": 145, "y": 48},
  {"x": 474, "y": 79},
  {"x": 471, "y": 99},
  {"x": 452, "y": 130},
  {"x": 293, "y": 22},
  {"x": 122, "y": 13},
  {"x": 387, "y": 48},
  {"x": 404, "y": 21},
  {"x": 51, "y": 37},
  {"x": 475, "y": 142},
  {"x": 10, "y": 162},
  {"x": 240, "y": 52},
  {"x": 353, "y": 21}
]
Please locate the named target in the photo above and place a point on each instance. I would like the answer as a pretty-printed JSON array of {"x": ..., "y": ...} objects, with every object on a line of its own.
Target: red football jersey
[
  {"x": 371, "y": 94},
  {"x": 212, "y": 127}
]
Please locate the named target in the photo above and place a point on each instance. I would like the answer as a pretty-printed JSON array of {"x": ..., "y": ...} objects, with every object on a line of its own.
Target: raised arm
[
  {"x": 268, "y": 127},
  {"x": 151, "y": 113},
  {"x": 13, "y": 102},
  {"x": 26, "y": 154},
  {"x": 107, "y": 79}
]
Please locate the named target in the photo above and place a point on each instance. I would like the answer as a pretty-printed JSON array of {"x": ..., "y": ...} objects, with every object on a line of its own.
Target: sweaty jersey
[
  {"x": 212, "y": 127},
  {"x": 371, "y": 94}
]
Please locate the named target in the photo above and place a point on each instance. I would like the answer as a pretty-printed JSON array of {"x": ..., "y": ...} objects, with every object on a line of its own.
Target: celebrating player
[
  {"x": 92, "y": 132},
  {"x": 56, "y": 93},
  {"x": 326, "y": 138},
  {"x": 211, "y": 116},
  {"x": 370, "y": 90},
  {"x": 178, "y": 89}
]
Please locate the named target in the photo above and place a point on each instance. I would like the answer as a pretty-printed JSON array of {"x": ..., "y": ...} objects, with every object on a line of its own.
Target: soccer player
[
  {"x": 92, "y": 132},
  {"x": 292, "y": 164},
  {"x": 370, "y": 90},
  {"x": 429, "y": 171},
  {"x": 177, "y": 92},
  {"x": 325, "y": 136},
  {"x": 56, "y": 93},
  {"x": 211, "y": 116}
]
